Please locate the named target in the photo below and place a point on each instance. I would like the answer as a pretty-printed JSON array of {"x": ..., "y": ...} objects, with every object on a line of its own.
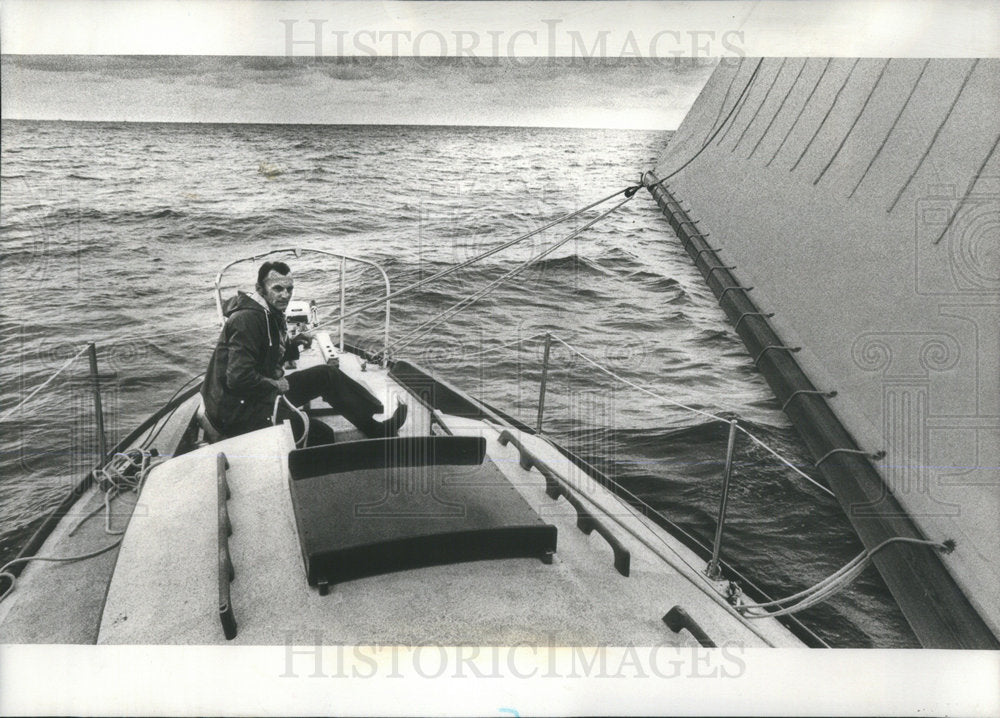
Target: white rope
[
  {"x": 424, "y": 328},
  {"x": 636, "y": 386},
  {"x": 832, "y": 584},
  {"x": 301, "y": 441},
  {"x": 43, "y": 384},
  {"x": 61, "y": 559},
  {"x": 112, "y": 480},
  {"x": 504, "y": 346},
  {"x": 786, "y": 462}
]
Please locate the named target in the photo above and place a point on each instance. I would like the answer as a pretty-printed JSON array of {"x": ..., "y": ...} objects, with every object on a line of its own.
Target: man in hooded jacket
[{"x": 245, "y": 373}]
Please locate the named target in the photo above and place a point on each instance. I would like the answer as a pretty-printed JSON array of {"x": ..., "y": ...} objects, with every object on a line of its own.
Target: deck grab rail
[
  {"x": 226, "y": 572},
  {"x": 555, "y": 487}
]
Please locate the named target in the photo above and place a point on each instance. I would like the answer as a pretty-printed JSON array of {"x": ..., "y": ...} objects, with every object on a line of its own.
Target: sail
[{"x": 859, "y": 199}]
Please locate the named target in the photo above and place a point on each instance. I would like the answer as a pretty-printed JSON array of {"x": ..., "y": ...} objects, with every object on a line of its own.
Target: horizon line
[{"x": 332, "y": 124}]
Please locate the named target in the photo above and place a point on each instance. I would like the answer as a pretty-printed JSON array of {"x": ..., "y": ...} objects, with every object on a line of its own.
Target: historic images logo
[
  {"x": 939, "y": 406},
  {"x": 965, "y": 226},
  {"x": 524, "y": 46}
]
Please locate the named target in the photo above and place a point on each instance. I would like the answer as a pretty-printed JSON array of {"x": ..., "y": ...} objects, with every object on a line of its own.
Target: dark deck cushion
[
  {"x": 381, "y": 453},
  {"x": 397, "y": 515}
]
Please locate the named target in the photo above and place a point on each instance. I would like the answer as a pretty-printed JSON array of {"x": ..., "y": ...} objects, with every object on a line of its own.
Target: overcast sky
[
  {"x": 598, "y": 92},
  {"x": 607, "y": 64}
]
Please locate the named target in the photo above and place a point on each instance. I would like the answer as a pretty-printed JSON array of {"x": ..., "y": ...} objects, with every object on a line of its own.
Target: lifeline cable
[
  {"x": 678, "y": 404},
  {"x": 629, "y": 192},
  {"x": 151, "y": 434},
  {"x": 424, "y": 328},
  {"x": 408, "y": 339},
  {"x": 44, "y": 384},
  {"x": 505, "y": 346}
]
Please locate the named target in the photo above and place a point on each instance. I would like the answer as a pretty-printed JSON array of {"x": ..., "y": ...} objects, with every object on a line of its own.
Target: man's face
[{"x": 278, "y": 289}]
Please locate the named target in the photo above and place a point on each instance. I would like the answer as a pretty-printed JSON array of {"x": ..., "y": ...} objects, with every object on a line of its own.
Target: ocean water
[{"x": 113, "y": 233}]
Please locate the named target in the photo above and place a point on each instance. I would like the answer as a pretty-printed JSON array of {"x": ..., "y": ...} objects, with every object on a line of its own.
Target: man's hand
[{"x": 282, "y": 384}]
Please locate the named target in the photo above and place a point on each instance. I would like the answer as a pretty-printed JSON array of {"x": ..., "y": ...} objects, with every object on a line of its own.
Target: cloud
[{"x": 656, "y": 92}]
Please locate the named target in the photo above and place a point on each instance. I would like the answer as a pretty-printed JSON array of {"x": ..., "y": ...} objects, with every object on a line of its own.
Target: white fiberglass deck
[{"x": 165, "y": 587}]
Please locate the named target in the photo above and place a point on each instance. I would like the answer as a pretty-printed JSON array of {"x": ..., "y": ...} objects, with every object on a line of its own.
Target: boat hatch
[{"x": 369, "y": 507}]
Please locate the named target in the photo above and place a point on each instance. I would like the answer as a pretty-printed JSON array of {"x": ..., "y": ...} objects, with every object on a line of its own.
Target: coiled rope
[{"x": 125, "y": 471}]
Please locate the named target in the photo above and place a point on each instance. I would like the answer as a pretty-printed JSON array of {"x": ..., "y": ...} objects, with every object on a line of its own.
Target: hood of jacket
[{"x": 255, "y": 303}]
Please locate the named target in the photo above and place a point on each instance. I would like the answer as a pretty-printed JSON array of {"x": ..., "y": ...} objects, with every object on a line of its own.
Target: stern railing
[{"x": 344, "y": 259}]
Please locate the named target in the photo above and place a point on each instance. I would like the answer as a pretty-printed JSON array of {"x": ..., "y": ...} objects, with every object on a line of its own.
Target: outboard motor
[{"x": 300, "y": 315}]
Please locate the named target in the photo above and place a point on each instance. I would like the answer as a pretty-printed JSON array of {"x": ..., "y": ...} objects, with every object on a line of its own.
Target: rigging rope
[
  {"x": 44, "y": 384},
  {"x": 644, "y": 390},
  {"x": 629, "y": 192},
  {"x": 834, "y": 583},
  {"x": 785, "y": 461},
  {"x": 678, "y": 404},
  {"x": 424, "y": 328},
  {"x": 151, "y": 434},
  {"x": 124, "y": 471},
  {"x": 709, "y": 141},
  {"x": 505, "y": 346}
]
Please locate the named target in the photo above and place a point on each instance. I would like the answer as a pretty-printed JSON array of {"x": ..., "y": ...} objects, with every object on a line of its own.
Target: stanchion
[
  {"x": 541, "y": 388},
  {"x": 713, "y": 571},
  {"x": 102, "y": 441}
]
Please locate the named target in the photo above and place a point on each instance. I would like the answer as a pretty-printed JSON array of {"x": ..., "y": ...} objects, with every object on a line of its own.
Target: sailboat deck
[
  {"x": 165, "y": 589},
  {"x": 609, "y": 586}
]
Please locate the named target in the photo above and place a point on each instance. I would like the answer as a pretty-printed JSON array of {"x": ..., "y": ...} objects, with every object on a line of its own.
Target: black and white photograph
[{"x": 499, "y": 358}]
